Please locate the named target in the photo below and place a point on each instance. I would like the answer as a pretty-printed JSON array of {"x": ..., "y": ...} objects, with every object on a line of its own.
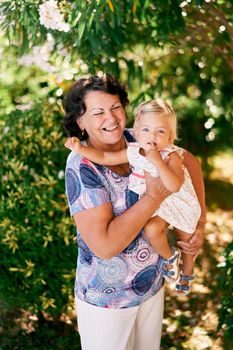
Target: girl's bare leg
[{"x": 155, "y": 232}]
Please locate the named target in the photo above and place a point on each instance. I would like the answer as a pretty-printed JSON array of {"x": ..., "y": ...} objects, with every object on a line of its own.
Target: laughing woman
[{"x": 119, "y": 285}]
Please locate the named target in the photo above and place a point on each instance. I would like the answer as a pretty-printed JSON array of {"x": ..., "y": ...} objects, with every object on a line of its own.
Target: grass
[{"x": 190, "y": 322}]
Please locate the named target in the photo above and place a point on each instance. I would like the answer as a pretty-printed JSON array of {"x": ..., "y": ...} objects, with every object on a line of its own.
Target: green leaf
[{"x": 81, "y": 29}]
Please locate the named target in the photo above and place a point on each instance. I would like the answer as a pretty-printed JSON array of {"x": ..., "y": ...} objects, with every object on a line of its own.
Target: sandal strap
[
  {"x": 171, "y": 259},
  {"x": 171, "y": 274},
  {"x": 168, "y": 272},
  {"x": 187, "y": 278},
  {"x": 183, "y": 287}
]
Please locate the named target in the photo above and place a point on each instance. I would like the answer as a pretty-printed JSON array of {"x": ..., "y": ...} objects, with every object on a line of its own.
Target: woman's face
[{"x": 104, "y": 119}]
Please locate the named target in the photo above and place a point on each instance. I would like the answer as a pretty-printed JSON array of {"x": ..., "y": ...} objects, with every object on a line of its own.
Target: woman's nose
[{"x": 110, "y": 115}]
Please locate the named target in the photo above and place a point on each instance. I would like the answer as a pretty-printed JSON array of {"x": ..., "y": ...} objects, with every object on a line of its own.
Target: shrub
[
  {"x": 37, "y": 245},
  {"x": 226, "y": 287}
]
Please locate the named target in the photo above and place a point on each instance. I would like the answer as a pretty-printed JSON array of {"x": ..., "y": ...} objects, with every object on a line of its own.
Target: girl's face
[
  {"x": 104, "y": 120},
  {"x": 153, "y": 129}
]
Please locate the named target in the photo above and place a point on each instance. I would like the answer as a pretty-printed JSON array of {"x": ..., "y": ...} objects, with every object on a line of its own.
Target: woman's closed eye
[
  {"x": 97, "y": 114},
  {"x": 100, "y": 113},
  {"x": 116, "y": 107}
]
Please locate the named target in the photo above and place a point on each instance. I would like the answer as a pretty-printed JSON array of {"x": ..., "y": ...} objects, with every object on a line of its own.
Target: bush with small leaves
[
  {"x": 37, "y": 245},
  {"x": 225, "y": 285}
]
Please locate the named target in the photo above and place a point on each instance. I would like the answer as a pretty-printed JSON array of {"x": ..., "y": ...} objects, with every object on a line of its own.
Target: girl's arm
[
  {"x": 171, "y": 174},
  {"x": 95, "y": 155}
]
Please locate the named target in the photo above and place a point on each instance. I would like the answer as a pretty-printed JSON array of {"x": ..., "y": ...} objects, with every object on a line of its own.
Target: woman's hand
[
  {"x": 155, "y": 187},
  {"x": 196, "y": 242},
  {"x": 73, "y": 143}
]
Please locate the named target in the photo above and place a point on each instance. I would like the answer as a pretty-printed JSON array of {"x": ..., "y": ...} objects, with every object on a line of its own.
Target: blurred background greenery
[{"x": 180, "y": 50}]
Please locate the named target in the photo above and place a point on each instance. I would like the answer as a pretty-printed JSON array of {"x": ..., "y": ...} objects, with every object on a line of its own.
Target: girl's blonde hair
[{"x": 159, "y": 107}]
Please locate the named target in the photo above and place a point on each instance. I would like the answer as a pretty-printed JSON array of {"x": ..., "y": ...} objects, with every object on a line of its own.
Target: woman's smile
[{"x": 111, "y": 128}]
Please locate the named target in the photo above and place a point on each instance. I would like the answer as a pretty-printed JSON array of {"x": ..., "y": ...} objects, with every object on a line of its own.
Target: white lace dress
[{"x": 181, "y": 209}]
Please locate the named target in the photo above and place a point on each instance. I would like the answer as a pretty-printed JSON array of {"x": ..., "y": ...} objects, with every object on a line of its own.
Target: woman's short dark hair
[{"x": 74, "y": 104}]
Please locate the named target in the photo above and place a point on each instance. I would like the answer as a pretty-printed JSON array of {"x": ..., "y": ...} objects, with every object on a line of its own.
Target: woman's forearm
[
  {"x": 106, "y": 235},
  {"x": 124, "y": 228}
]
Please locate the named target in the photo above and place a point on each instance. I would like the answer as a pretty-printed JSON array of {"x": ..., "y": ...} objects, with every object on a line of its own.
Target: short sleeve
[
  {"x": 86, "y": 186},
  {"x": 170, "y": 149}
]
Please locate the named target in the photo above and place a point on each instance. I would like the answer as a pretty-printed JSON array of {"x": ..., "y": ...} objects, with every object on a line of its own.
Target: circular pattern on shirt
[
  {"x": 131, "y": 247},
  {"x": 89, "y": 177},
  {"x": 115, "y": 180},
  {"x": 99, "y": 167},
  {"x": 142, "y": 257},
  {"x": 112, "y": 271},
  {"x": 86, "y": 201},
  {"x": 85, "y": 274},
  {"x": 73, "y": 186},
  {"x": 131, "y": 198},
  {"x": 111, "y": 293},
  {"x": 93, "y": 296},
  {"x": 85, "y": 254},
  {"x": 143, "y": 281},
  {"x": 158, "y": 283}
]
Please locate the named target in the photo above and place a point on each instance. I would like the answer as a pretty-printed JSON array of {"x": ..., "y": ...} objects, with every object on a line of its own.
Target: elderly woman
[{"x": 119, "y": 286}]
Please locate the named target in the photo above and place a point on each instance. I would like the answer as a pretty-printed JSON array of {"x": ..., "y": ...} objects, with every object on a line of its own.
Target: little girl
[{"x": 155, "y": 129}]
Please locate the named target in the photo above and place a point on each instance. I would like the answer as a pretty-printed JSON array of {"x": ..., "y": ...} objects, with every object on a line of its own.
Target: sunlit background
[{"x": 180, "y": 50}]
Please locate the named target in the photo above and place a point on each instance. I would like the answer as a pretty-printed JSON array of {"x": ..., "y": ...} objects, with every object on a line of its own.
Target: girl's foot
[
  {"x": 171, "y": 266},
  {"x": 184, "y": 283}
]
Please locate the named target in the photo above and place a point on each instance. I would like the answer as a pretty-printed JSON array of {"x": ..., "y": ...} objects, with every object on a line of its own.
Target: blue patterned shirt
[{"x": 129, "y": 278}]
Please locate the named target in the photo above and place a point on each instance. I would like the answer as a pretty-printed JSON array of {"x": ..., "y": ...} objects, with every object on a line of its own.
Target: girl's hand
[
  {"x": 73, "y": 143},
  {"x": 195, "y": 243},
  {"x": 153, "y": 155},
  {"x": 152, "y": 152}
]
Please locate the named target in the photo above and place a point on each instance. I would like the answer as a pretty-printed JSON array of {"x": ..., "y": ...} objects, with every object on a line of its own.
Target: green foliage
[
  {"x": 200, "y": 98},
  {"x": 21, "y": 21},
  {"x": 101, "y": 27},
  {"x": 37, "y": 239},
  {"x": 180, "y": 50},
  {"x": 226, "y": 288}
]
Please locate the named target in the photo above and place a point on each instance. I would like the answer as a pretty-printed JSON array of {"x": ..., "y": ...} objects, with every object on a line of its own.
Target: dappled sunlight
[
  {"x": 191, "y": 320},
  {"x": 200, "y": 339},
  {"x": 223, "y": 167},
  {"x": 179, "y": 50}
]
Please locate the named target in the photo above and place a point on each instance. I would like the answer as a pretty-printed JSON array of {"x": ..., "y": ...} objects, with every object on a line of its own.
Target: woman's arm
[
  {"x": 194, "y": 169},
  {"x": 106, "y": 235},
  {"x": 171, "y": 173},
  {"x": 95, "y": 155}
]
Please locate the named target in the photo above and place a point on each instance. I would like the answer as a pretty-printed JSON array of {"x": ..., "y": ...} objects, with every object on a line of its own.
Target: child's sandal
[
  {"x": 171, "y": 275},
  {"x": 181, "y": 288}
]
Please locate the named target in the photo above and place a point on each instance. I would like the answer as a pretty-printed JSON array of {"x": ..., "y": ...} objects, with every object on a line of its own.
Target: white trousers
[{"x": 135, "y": 328}]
